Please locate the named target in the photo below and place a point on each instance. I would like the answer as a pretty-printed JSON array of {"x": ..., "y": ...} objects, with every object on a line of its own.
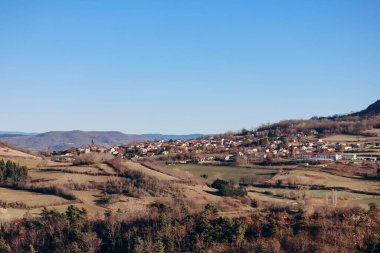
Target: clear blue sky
[{"x": 176, "y": 66}]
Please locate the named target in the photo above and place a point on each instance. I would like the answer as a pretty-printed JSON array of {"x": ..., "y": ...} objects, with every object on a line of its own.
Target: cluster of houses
[
  {"x": 70, "y": 154},
  {"x": 228, "y": 148}
]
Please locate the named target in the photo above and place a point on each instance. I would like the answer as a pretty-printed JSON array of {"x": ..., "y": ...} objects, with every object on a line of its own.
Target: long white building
[{"x": 320, "y": 156}]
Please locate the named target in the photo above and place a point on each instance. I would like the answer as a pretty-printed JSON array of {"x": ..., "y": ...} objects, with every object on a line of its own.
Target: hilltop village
[{"x": 243, "y": 149}]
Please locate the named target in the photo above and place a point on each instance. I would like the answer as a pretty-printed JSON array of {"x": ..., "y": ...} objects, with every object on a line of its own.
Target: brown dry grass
[
  {"x": 147, "y": 171},
  {"x": 349, "y": 138},
  {"x": 20, "y": 157},
  {"x": 374, "y": 131},
  {"x": 92, "y": 158},
  {"x": 31, "y": 199},
  {"x": 8, "y": 152},
  {"x": 106, "y": 168},
  {"x": 64, "y": 178},
  {"x": 173, "y": 171},
  {"x": 326, "y": 179},
  {"x": 81, "y": 169}
]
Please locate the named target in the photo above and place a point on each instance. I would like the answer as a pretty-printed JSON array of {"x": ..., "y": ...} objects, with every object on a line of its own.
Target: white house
[{"x": 349, "y": 156}]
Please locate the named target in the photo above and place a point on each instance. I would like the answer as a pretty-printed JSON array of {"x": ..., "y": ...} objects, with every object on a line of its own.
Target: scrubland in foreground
[{"x": 171, "y": 228}]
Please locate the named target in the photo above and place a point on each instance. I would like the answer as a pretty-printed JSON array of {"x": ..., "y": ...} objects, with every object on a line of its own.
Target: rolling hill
[
  {"x": 372, "y": 109},
  {"x": 58, "y": 140},
  {"x": 9, "y": 152},
  {"x": 14, "y": 134}
]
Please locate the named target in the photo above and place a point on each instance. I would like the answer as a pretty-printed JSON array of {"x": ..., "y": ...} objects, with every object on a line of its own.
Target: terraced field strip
[
  {"x": 31, "y": 199},
  {"x": 277, "y": 194},
  {"x": 148, "y": 171},
  {"x": 268, "y": 198},
  {"x": 106, "y": 168},
  {"x": 58, "y": 177},
  {"x": 304, "y": 177},
  {"x": 75, "y": 169},
  {"x": 91, "y": 198},
  {"x": 8, "y": 152},
  {"x": 350, "y": 138},
  {"x": 227, "y": 172},
  {"x": 93, "y": 211},
  {"x": 29, "y": 162}
]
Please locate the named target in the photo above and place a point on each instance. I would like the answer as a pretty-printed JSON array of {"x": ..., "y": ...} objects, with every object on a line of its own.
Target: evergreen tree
[
  {"x": 138, "y": 245},
  {"x": 159, "y": 246},
  {"x": 12, "y": 173},
  {"x": 4, "y": 247}
]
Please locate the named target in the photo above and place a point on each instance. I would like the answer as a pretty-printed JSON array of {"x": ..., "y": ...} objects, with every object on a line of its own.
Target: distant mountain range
[
  {"x": 13, "y": 133},
  {"x": 60, "y": 140},
  {"x": 172, "y": 137}
]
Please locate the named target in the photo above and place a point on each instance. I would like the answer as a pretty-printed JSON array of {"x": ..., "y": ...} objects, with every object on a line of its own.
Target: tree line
[
  {"x": 324, "y": 126},
  {"x": 12, "y": 173}
]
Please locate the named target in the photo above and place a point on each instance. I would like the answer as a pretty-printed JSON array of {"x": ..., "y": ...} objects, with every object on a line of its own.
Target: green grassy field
[{"x": 226, "y": 172}]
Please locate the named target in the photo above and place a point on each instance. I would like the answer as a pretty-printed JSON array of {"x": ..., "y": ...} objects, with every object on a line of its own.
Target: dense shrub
[
  {"x": 228, "y": 188},
  {"x": 218, "y": 183},
  {"x": 92, "y": 158},
  {"x": 136, "y": 184}
]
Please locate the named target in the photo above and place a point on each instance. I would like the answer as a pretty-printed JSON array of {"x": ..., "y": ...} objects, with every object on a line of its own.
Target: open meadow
[
  {"x": 30, "y": 199},
  {"x": 226, "y": 172},
  {"x": 311, "y": 177}
]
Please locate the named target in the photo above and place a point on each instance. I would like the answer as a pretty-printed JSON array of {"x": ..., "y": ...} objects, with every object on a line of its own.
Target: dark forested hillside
[
  {"x": 323, "y": 126},
  {"x": 372, "y": 109},
  {"x": 354, "y": 123}
]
